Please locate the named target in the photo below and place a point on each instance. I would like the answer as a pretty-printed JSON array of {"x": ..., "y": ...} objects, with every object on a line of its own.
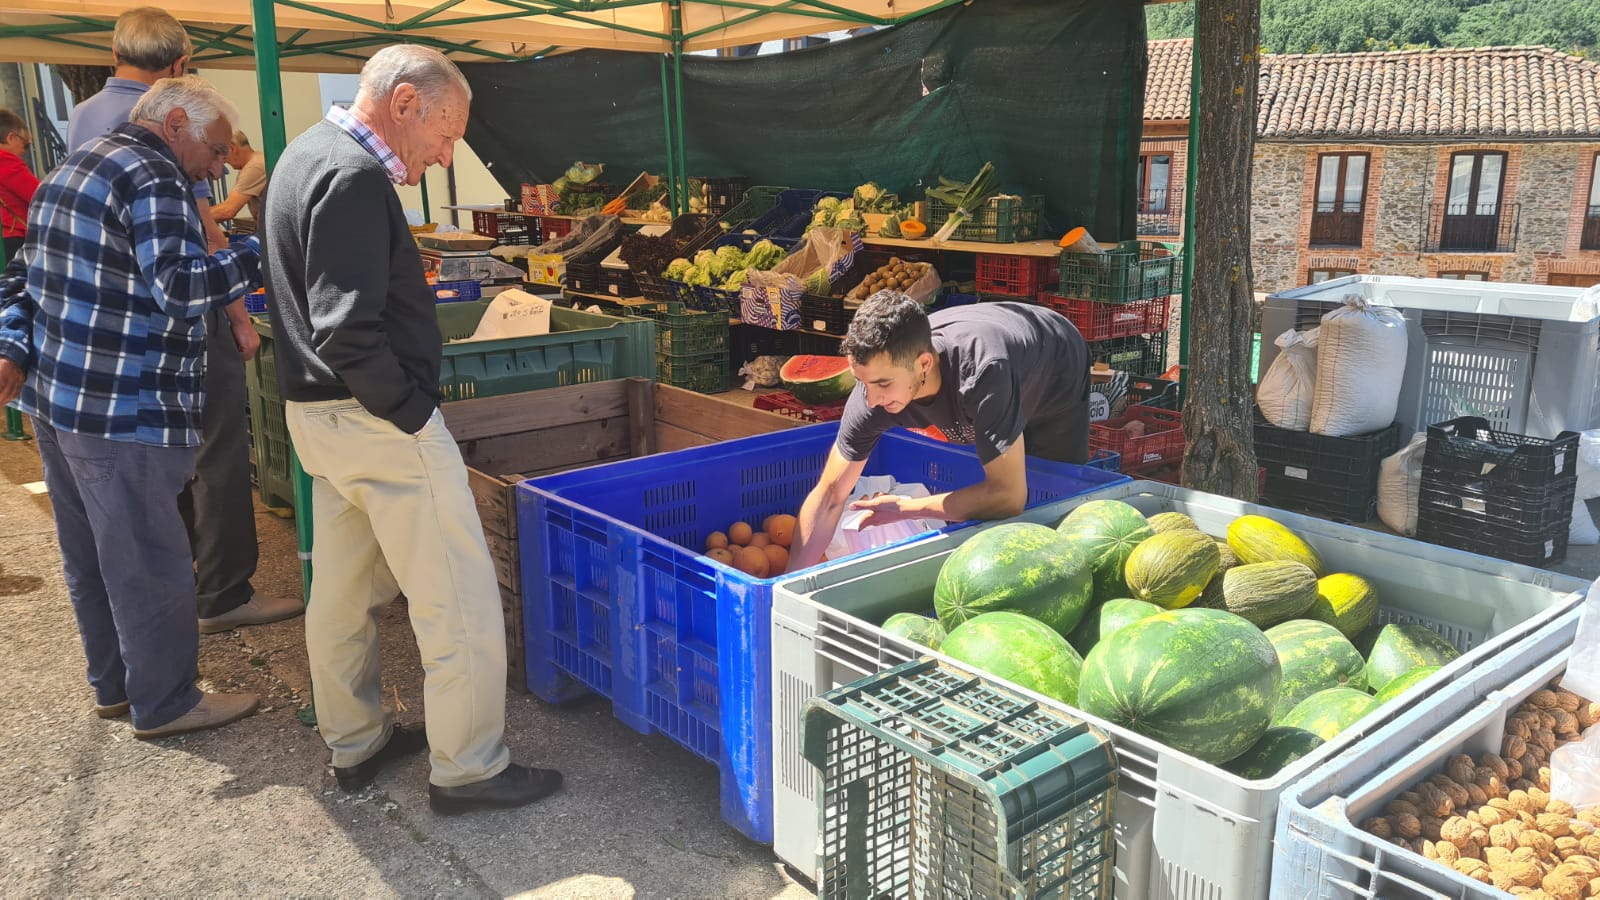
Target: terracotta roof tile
[{"x": 1485, "y": 92}]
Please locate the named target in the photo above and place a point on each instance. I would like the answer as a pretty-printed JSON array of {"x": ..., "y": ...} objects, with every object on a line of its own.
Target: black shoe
[
  {"x": 403, "y": 741},
  {"x": 516, "y": 786}
]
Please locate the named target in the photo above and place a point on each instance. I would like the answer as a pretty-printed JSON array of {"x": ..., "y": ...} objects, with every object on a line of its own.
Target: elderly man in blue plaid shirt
[{"x": 103, "y": 312}]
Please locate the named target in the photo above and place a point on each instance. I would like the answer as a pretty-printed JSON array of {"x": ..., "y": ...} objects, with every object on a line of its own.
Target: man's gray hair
[
  {"x": 424, "y": 68},
  {"x": 149, "y": 38},
  {"x": 192, "y": 94}
]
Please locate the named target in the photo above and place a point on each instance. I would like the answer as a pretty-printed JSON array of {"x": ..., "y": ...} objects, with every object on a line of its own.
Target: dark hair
[
  {"x": 11, "y": 123},
  {"x": 888, "y": 322}
]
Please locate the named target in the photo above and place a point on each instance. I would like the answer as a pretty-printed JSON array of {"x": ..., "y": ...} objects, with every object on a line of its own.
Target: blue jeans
[{"x": 128, "y": 568}]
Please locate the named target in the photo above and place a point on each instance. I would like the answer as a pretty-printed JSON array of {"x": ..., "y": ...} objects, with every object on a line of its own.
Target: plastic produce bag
[
  {"x": 1399, "y": 483},
  {"x": 513, "y": 313},
  {"x": 850, "y": 537},
  {"x": 1361, "y": 362},
  {"x": 1285, "y": 394},
  {"x": 1583, "y": 668},
  {"x": 1582, "y": 531},
  {"x": 1575, "y": 769}
]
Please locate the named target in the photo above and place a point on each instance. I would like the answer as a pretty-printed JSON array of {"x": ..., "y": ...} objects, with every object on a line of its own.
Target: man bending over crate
[
  {"x": 1011, "y": 378},
  {"x": 359, "y": 353}
]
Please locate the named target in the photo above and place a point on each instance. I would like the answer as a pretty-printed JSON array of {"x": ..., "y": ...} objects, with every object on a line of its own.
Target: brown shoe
[
  {"x": 114, "y": 711},
  {"x": 213, "y": 711},
  {"x": 258, "y": 610}
]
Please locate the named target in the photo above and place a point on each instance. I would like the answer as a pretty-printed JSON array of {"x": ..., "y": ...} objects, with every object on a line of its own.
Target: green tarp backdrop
[{"x": 1050, "y": 91}]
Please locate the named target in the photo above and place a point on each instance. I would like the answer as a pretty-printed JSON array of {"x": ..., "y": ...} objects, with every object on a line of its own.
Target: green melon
[
  {"x": 1314, "y": 657},
  {"x": 1258, "y": 539},
  {"x": 1201, "y": 681},
  {"x": 1328, "y": 712},
  {"x": 1401, "y": 648},
  {"x": 1107, "y": 618},
  {"x": 1172, "y": 521},
  {"x": 1406, "y": 682},
  {"x": 1277, "y": 748},
  {"x": 1268, "y": 593},
  {"x": 1107, "y": 531},
  {"x": 1021, "y": 567},
  {"x": 916, "y": 628},
  {"x": 1171, "y": 568},
  {"x": 818, "y": 379},
  {"x": 1019, "y": 649},
  {"x": 1347, "y": 602}
]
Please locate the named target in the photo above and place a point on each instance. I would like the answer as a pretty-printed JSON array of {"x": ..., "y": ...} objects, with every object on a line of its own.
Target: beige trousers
[{"x": 387, "y": 502}]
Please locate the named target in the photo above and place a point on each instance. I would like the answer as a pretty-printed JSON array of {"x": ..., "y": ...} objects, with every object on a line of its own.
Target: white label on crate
[
  {"x": 1472, "y": 504},
  {"x": 1099, "y": 407},
  {"x": 1487, "y": 468},
  {"x": 1549, "y": 549},
  {"x": 1561, "y": 461},
  {"x": 819, "y": 325},
  {"x": 1296, "y": 472}
]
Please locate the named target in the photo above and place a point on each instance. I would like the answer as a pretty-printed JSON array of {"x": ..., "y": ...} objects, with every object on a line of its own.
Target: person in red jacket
[{"x": 17, "y": 184}]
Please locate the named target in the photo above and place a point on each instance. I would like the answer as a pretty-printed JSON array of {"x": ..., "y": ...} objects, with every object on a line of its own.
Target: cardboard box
[{"x": 538, "y": 199}]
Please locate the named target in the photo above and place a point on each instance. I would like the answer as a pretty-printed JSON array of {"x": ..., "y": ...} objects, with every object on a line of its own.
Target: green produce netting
[{"x": 1050, "y": 91}]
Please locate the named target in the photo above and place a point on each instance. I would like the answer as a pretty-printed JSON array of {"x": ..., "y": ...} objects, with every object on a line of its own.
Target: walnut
[
  {"x": 1588, "y": 714},
  {"x": 1547, "y": 720},
  {"x": 1553, "y": 824},
  {"x": 1495, "y": 763},
  {"x": 1542, "y": 778},
  {"x": 1587, "y": 864},
  {"x": 1501, "y": 879},
  {"x": 1460, "y": 768},
  {"x": 1524, "y": 873},
  {"x": 1469, "y": 867},
  {"x": 1524, "y": 854},
  {"x": 1568, "y": 846},
  {"x": 1518, "y": 727},
  {"x": 1590, "y": 844},
  {"x": 1526, "y": 818},
  {"x": 1378, "y": 826},
  {"x": 1542, "y": 844},
  {"x": 1435, "y": 803},
  {"x": 1515, "y": 769},
  {"x": 1402, "y": 808},
  {"x": 1565, "y": 882},
  {"x": 1566, "y": 723},
  {"x": 1456, "y": 829},
  {"x": 1492, "y": 784},
  {"x": 1407, "y": 826},
  {"x": 1568, "y": 701},
  {"x": 1594, "y": 887},
  {"x": 1543, "y": 699},
  {"x": 1501, "y": 803},
  {"x": 1480, "y": 836},
  {"x": 1540, "y": 798},
  {"x": 1457, "y": 794},
  {"x": 1491, "y": 815},
  {"x": 1579, "y": 827},
  {"x": 1546, "y": 739},
  {"x": 1504, "y": 835},
  {"x": 1592, "y": 816},
  {"x": 1476, "y": 795},
  {"x": 1562, "y": 808},
  {"x": 1430, "y": 850},
  {"x": 1522, "y": 784},
  {"x": 1513, "y": 747},
  {"x": 1447, "y": 853},
  {"x": 1432, "y": 828},
  {"x": 1496, "y": 856},
  {"x": 1519, "y": 801},
  {"x": 1469, "y": 850}
]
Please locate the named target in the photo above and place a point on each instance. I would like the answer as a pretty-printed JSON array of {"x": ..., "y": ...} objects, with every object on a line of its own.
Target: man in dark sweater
[{"x": 358, "y": 353}]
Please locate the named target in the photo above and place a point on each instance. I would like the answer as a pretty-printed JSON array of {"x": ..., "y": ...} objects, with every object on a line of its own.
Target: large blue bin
[{"x": 618, "y": 599}]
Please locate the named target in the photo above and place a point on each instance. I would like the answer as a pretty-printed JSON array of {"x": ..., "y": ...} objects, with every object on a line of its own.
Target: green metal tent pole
[
  {"x": 1192, "y": 154},
  {"x": 427, "y": 210},
  {"x": 675, "y": 197},
  {"x": 677, "y": 97}
]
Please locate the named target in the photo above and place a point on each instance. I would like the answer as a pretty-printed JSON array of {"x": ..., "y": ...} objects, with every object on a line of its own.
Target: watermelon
[
  {"x": 1406, "y": 682},
  {"x": 916, "y": 628},
  {"x": 1107, "y": 618},
  {"x": 1347, "y": 602},
  {"x": 1277, "y": 748},
  {"x": 1019, "y": 649},
  {"x": 1022, "y": 567},
  {"x": 1257, "y": 539},
  {"x": 1401, "y": 648},
  {"x": 818, "y": 379},
  {"x": 1170, "y": 569},
  {"x": 1201, "y": 681},
  {"x": 1328, "y": 712},
  {"x": 1314, "y": 657},
  {"x": 1107, "y": 531},
  {"x": 1172, "y": 521},
  {"x": 1270, "y": 592}
]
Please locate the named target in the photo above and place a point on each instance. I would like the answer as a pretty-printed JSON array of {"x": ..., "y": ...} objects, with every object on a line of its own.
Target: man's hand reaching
[{"x": 11, "y": 378}]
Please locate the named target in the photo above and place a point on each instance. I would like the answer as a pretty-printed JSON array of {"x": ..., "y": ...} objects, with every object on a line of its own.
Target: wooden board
[
  {"x": 469, "y": 420},
  {"x": 713, "y": 419},
  {"x": 1044, "y": 249}
]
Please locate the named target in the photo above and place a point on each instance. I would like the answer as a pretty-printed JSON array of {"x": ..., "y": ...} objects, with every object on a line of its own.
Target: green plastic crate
[
  {"x": 705, "y": 373},
  {"x": 757, "y": 202},
  {"x": 581, "y": 348},
  {"x": 1003, "y": 220},
  {"x": 684, "y": 332},
  {"x": 937, "y": 782},
  {"x": 1135, "y": 270}
]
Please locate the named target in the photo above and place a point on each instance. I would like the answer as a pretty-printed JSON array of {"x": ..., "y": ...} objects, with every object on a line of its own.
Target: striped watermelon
[
  {"x": 1019, "y": 649},
  {"x": 1314, "y": 657},
  {"x": 1328, "y": 712},
  {"x": 916, "y": 628},
  {"x": 1020, "y": 567},
  {"x": 1107, "y": 531},
  {"x": 1401, "y": 648},
  {"x": 1406, "y": 682},
  {"x": 1107, "y": 618},
  {"x": 1277, "y": 748},
  {"x": 1201, "y": 681}
]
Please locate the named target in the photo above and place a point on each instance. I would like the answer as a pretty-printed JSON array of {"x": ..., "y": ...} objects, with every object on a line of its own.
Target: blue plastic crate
[
  {"x": 255, "y": 303},
  {"x": 1105, "y": 460},
  {"x": 457, "y": 291},
  {"x": 618, "y": 599}
]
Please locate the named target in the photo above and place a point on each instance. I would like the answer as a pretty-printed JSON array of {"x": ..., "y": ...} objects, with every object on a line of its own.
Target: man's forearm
[{"x": 984, "y": 500}]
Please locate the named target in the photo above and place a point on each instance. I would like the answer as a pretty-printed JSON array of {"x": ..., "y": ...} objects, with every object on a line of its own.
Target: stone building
[{"x": 1464, "y": 163}]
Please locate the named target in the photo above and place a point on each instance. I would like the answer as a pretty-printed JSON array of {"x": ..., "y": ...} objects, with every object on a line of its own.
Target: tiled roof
[{"x": 1479, "y": 93}]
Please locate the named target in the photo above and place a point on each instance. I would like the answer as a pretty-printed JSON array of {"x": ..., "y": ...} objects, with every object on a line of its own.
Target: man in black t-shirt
[{"x": 1009, "y": 378}]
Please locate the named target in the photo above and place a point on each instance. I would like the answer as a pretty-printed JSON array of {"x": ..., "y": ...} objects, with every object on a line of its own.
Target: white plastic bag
[
  {"x": 1582, "y": 531},
  {"x": 1361, "y": 362},
  {"x": 1583, "y": 667},
  {"x": 514, "y": 313},
  {"x": 1399, "y": 482},
  {"x": 1588, "y": 465},
  {"x": 850, "y": 537},
  {"x": 1285, "y": 394},
  {"x": 1575, "y": 770}
]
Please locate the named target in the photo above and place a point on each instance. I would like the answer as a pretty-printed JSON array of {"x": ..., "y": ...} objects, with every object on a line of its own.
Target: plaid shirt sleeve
[
  {"x": 168, "y": 243},
  {"x": 16, "y": 313}
]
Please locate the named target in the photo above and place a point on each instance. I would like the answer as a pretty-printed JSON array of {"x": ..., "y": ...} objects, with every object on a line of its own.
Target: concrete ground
[{"x": 252, "y": 809}]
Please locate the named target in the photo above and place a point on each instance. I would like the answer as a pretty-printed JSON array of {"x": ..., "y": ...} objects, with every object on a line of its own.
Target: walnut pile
[{"x": 1492, "y": 818}]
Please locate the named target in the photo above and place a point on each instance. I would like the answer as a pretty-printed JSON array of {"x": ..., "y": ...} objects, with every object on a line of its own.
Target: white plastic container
[
  {"x": 1524, "y": 356},
  {"x": 1320, "y": 853},
  {"x": 1185, "y": 829}
]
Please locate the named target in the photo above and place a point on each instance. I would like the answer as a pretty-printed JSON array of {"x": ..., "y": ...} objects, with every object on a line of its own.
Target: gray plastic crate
[
  {"x": 1318, "y": 850},
  {"x": 1185, "y": 829},
  {"x": 1522, "y": 356}
]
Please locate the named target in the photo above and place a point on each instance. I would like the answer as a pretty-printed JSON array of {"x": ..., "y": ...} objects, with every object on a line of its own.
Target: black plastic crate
[
  {"x": 1470, "y": 446},
  {"x": 618, "y": 282},
  {"x": 1335, "y": 477},
  {"x": 1143, "y": 356},
  {"x": 723, "y": 194},
  {"x": 826, "y": 314},
  {"x": 746, "y": 342},
  {"x": 583, "y": 278}
]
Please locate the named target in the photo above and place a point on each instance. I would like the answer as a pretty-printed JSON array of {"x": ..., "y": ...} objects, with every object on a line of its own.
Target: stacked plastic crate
[{"x": 692, "y": 349}]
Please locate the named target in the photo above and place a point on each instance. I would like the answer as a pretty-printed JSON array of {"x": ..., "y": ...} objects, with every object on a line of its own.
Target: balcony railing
[
  {"x": 1465, "y": 228},
  {"x": 1591, "y": 230},
  {"x": 1161, "y": 212}
]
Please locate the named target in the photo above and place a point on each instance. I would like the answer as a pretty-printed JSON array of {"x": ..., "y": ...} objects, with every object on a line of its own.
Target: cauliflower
[{"x": 828, "y": 204}]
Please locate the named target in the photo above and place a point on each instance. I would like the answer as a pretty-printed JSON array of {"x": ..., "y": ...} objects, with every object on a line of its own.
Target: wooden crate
[{"x": 505, "y": 440}]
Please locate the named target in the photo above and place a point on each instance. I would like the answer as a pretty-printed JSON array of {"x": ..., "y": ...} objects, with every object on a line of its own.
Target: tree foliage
[{"x": 1322, "y": 26}]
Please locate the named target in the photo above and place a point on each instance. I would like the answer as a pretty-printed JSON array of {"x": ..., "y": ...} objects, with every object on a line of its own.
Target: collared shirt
[
  {"x": 104, "y": 305},
  {"x": 98, "y": 115},
  {"x": 369, "y": 141}
]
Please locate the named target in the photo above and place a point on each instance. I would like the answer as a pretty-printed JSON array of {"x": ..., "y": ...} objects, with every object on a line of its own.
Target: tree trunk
[
  {"x": 84, "y": 81},
  {"x": 1217, "y": 409}
]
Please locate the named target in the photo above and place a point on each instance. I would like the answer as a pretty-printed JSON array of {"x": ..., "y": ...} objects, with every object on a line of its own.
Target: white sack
[
  {"x": 1582, "y": 531},
  {"x": 1285, "y": 394},
  {"x": 1399, "y": 483},
  {"x": 513, "y": 313},
  {"x": 1361, "y": 361}
]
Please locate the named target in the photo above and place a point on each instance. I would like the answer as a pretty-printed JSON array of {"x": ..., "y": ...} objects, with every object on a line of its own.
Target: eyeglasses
[
  {"x": 26, "y": 140},
  {"x": 220, "y": 151}
]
